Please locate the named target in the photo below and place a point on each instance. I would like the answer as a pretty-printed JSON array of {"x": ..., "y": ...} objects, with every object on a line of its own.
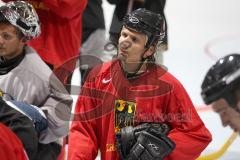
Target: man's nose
[
  {"x": 125, "y": 45},
  {"x": 1, "y": 40}
]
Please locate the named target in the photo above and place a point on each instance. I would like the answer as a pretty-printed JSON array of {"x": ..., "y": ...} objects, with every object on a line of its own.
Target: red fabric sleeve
[
  {"x": 82, "y": 138},
  {"x": 11, "y": 147},
  {"x": 189, "y": 132}
]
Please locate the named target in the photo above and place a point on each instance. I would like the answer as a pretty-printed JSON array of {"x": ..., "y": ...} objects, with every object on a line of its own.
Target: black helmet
[
  {"x": 222, "y": 79},
  {"x": 147, "y": 22}
]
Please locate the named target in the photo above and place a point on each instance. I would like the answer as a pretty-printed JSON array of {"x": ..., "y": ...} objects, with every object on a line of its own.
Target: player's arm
[
  {"x": 188, "y": 131},
  {"x": 54, "y": 100},
  {"x": 82, "y": 137}
]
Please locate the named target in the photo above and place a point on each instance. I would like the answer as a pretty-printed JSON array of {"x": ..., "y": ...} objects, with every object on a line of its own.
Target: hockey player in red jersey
[{"x": 132, "y": 108}]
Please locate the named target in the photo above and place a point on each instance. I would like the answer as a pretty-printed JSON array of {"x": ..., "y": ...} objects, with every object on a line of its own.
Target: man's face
[
  {"x": 131, "y": 49},
  {"x": 229, "y": 116},
  {"x": 10, "y": 44}
]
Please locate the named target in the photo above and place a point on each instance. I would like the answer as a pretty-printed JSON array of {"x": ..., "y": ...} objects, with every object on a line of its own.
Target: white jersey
[{"x": 32, "y": 82}]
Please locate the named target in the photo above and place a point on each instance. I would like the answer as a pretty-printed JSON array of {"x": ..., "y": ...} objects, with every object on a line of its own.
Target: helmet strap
[{"x": 136, "y": 73}]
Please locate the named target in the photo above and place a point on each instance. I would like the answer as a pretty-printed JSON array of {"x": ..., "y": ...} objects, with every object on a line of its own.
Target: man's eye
[
  {"x": 6, "y": 36},
  {"x": 134, "y": 39},
  {"x": 124, "y": 34}
]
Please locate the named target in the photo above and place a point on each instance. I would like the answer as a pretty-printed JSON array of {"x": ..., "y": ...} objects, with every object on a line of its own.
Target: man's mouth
[{"x": 123, "y": 53}]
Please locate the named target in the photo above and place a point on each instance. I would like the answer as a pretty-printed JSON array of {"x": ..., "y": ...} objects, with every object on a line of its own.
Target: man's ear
[
  {"x": 23, "y": 42},
  {"x": 237, "y": 96},
  {"x": 150, "y": 51},
  {"x": 24, "y": 39}
]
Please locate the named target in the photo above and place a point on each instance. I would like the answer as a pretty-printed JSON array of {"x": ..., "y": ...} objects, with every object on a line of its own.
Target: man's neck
[
  {"x": 5, "y": 58},
  {"x": 134, "y": 68}
]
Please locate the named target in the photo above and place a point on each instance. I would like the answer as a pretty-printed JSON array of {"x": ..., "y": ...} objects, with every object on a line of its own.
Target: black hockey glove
[{"x": 147, "y": 141}]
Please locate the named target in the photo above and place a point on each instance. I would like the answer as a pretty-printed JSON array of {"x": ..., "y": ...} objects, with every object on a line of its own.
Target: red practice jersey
[{"x": 155, "y": 96}]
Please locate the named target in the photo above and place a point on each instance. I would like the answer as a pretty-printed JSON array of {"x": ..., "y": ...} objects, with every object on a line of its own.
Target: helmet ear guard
[
  {"x": 222, "y": 80},
  {"x": 23, "y": 16}
]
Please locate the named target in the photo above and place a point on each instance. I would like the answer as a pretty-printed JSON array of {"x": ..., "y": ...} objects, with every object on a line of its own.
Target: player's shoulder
[
  {"x": 103, "y": 69},
  {"x": 166, "y": 76}
]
